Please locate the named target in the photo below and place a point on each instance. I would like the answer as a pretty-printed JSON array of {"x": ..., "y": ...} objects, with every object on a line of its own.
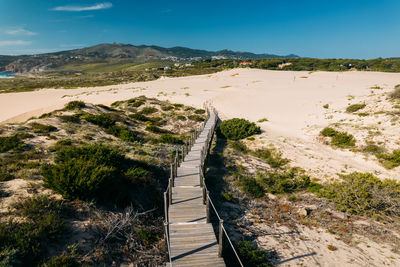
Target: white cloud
[
  {"x": 99, "y": 6},
  {"x": 14, "y": 42},
  {"x": 19, "y": 31}
]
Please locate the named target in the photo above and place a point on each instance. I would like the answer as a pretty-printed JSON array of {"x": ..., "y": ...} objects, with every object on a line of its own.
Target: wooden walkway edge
[{"x": 190, "y": 235}]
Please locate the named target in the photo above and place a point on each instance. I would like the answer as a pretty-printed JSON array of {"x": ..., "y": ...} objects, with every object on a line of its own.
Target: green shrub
[
  {"x": 43, "y": 129},
  {"x": 282, "y": 182},
  {"x": 249, "y": 185},
  {"x": 124, "y": 133},
  {"x": 139, "y": 117},
  {"x": 199, "y": 111},
  {"x": 75, "y": 105},
  {"x": 26, "y": 239},
  {"x": 339, "y": 139},
  {"x": 62, "y": 261},
  {"x": 272, "y": 157},
  {"x": 326, "y": 106},
  {"x": 181, "y": 117},
  {"x": 170, "y": 139},
  {"x": 137, "y": 103},
  {"x": 8, "y": 143},
  {"x": 137, "y": 174},
  {"x": 253, "y": 256},
  {"x": 390, "y": 161},
  {"x": 154, "y": 129},
  {"x": 236, "y": 129},
  {"x": 166, "y": 108},
  {"x": 328, "y": 132},
  {"x": 6, "y": 177},
  {"x": 147, "y": 237},
  {"x": 106, "y": 107},
  {"x": 364, "y": 194},
  {"x": 239, "y": 146},
  {"x": 148, "y": 110},
  {"x": 196, "y": 117},
  {"x": 343, "y": 139},
  {"x": 102, "y": 120},
  {"x": 355, "y": 107},
  {"x": 262, "y": 120},
  {"x": 178, "y": 106},
  {"x": 87, "y": 172},
  {"x": 70, "y": 118}
]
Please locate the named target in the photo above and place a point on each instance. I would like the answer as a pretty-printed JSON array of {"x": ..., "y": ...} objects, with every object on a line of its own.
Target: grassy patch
[
  {"x": 272, "y": 157},
  {"x": 253, "y": 256},
  {"x": 75, "y": 105},
  {"x": 364, "y": 194},
  {"x": 355, "y": 107},
  {"x": 42, "y": 128},
  {"x": 339, "y": 139},
  {"x": 396, "y": 92},
  {"x": 8, "y": 143},
  {"x": 25, "y": 241},
  {"x": 262, "y": 120},
  {"x": 170, "y": 139},
  {"x": 195, "y": 117},
  {"x": 155, "y": 129},
  {"x": 148, "y": 110},
  {"x": 390, "y": 161},
  {"x": 326, "y": 106}
]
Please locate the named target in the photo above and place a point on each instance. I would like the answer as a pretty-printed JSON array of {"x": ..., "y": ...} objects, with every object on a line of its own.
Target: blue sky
[{"x": 309, "y": 28}]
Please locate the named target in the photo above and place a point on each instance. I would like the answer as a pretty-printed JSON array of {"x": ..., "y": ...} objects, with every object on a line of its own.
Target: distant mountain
[{"x": 118, "y": 52}]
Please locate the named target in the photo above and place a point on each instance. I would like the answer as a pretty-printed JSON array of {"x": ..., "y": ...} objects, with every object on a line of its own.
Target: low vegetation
[
  {"x": 390, "y": 161},
  {"x": 355, "y": 107},
  {"x": 364, "y": 194},
  {"x": 339, "y": 139},
  {"x": 73, "y": 105},
  {"x": 93, "y": 172},
  {"x": 236, "y": 129},
  {"x": 26, "y": 240},
  {"x": 8, "y": 143},
  {"x": 396, "y": 92},
  {"x": 253, "y": 256}
]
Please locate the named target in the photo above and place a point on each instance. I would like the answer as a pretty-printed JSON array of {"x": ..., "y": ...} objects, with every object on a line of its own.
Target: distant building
[
  {"x": 245, "y": 63},
  {"x": 281, "y": 66}
]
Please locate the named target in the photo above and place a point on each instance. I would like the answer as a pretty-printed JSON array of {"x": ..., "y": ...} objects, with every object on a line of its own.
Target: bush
[
  {"x": 339, "y": 139},
  {"x": 239, "y": 146},
  {"x": 390, "y": 161},
  {"x": 199, "y": 111},
  {"x": 249, "y": 185},
  {"x": 75, "y": 105},
  {"x": 272, "y": 157},
  {"x": 197, "y": 118},
  {"x": 124, "y": 133},
  {"x": 148, "y": 110},
  {"x": 166, "y": 108},
  {"x": 181, "y": 117},
  {"x": 355, "y": 107},
  {"x": 282, "y": 182},
  {"x": 326, "y": 106},
  {"x": 343, "y": 139},
  {"x": 154, "y": 129},
  {"x": 364, "y": 194},
  {"x": 236, "y": 129},
  {"x": 87, "y": 172},
  {"x": 8, "y": 143},
  {"x": 70, "y": 118},
  {"x": 5, "y": 177},
  {"x": 328, "y": 132},
  {"x": 26, "y": 239},
  {"x": 62, "y": 261},
  {"x": 137, "y": 174},
  {"x": 252, "y": 256},
  {"x": 170, "y": 139},
  {"x": 102, "y": 120},
  {"x": 139, "y": 117},
  {"x": 136, "y": 103},
  {"x": 43, "y": 129}
]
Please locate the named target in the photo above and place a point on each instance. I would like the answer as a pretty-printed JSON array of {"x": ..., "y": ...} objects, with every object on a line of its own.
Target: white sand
[{"x": 291, "y": 102}]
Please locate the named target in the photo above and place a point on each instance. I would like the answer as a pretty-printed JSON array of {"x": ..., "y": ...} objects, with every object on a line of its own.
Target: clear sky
[{"x": 309, "y": 28}]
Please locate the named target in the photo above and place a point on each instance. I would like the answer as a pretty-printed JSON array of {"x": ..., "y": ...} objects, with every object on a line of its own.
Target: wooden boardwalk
[{"x": 192, "y": 240}]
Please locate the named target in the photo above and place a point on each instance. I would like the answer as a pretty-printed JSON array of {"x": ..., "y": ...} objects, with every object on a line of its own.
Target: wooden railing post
[
  {"x": 208, "y": 206},
  {"x": 220, "y": 236},
  {"x": 204, "y": 195},
  {"x": 165, "y": 207},
  {"x": 172, "y": 177},
  {"x": 170, "y": 191}
]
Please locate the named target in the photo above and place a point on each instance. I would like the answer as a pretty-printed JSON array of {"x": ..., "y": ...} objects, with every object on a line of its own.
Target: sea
[{"x": 6, "y": 75}]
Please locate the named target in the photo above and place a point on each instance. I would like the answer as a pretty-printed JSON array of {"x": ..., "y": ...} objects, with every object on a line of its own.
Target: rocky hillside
[{"x": 118, "y": 52}]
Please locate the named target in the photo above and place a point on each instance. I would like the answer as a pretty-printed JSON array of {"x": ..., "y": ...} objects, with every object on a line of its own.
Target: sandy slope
[{"x": 292, "y": 102}]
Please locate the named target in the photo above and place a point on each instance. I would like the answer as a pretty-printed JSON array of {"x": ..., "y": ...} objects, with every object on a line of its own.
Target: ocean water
[{"x": 6, "y": 75}]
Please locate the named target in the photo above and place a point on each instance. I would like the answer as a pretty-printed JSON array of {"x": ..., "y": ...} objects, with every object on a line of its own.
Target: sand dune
[{"x": 292, "y": 102}]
